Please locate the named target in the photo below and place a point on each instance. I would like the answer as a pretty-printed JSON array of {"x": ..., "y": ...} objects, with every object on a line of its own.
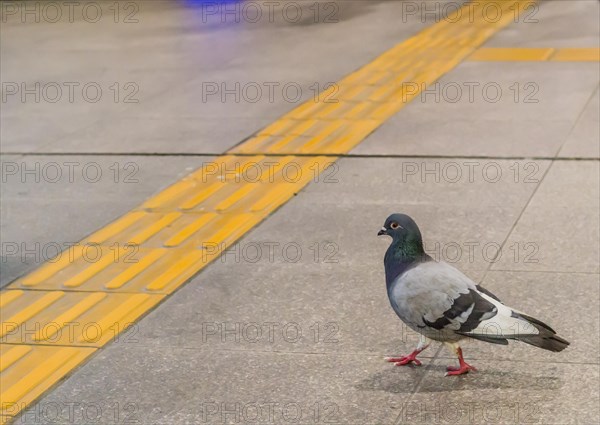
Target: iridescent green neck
[
  {"x": 408, "y": 249},
  {"x": 401, "y": 255}
]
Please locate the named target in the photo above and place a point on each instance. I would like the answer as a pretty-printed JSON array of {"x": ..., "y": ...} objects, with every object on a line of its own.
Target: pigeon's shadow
[
  {"x": 431, "y": 379},
  {"x": 435, "y": 381},
  {"x": 395, "y": 380}
]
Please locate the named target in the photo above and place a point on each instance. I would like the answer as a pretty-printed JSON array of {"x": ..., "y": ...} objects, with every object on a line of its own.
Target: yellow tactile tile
[
  {"x": 69, "y": 318},
  {"x": 577, "y": 55},
  {"x": 354, "y": 93},
  {"x": 26, "y": 371},
  {"x": 61, "y": 312},
  {"x": 292, "y": 127},
  {"x": 511, "y": 54}
]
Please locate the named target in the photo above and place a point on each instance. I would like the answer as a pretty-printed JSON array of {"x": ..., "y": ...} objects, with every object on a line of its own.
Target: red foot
[
  {"x": 462, "y": 369},
  {"x": 465, "y": 368},
  {"x": 401, "y": 361}
]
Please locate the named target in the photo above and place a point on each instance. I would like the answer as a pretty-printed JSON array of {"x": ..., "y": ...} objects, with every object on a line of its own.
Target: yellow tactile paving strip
[
  {"x": 58, "y": 315},
  {"x": 527, "y": 54}
]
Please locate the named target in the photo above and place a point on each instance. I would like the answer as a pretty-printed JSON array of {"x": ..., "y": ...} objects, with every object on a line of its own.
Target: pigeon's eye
[{"x": 394, "y": 225}]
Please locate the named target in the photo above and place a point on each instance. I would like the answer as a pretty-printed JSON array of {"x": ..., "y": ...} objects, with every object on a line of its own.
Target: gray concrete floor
[{"x": 179, "y": 366}]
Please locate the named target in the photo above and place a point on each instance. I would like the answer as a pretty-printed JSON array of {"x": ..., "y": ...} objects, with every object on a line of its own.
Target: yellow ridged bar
[
  {"x": 511, "y": 54},
  {"x": 134, "y": 270},
  {"x": 184, "y": 265},
  {"x": 201, "y": 196},
  {"x": 152, "y": 250},
  {"x": 235, "y": 197},
  {"x": 9, "y": 296},
  {"x": 90, "y": 271},
  {"x": 189, "y": 230},
  {"x": 154, "y": 228},
  {"x": 115, "y": 227},
  {"x": 577, "y": 55},
  {"x": 528, "y": 54}
]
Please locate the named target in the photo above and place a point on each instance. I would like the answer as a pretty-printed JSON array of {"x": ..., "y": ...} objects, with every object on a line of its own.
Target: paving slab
[{"x": 561, "y": 221}]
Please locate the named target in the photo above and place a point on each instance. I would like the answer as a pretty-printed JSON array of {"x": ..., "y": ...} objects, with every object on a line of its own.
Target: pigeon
[{"x": 442, "y": 304}]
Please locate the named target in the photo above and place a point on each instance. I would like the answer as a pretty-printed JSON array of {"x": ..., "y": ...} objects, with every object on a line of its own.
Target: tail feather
[
  {"x": 546, "y": 339},
  {"x": 551, "y": 342}
]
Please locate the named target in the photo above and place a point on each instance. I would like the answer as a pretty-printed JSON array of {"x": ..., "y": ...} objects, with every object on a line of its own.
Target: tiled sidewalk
[{"x": 291, "y": 324}]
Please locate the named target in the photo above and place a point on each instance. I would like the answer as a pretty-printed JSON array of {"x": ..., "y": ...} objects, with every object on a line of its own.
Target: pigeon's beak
[{"x": 383, "y": 231}]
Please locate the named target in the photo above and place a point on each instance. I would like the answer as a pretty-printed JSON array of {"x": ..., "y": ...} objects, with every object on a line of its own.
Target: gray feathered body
[
  {"x": 441, "y": 303},
  {"x": 423, "y": 293}
]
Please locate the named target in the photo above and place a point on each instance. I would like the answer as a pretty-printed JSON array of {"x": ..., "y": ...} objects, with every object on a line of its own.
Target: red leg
[
  {"x": 411, "y": 358},
  {"x": 462, "y": 369}
]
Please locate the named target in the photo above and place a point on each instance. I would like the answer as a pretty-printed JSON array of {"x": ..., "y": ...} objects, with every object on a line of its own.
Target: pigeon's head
[{"x": 401, "y": 228}]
